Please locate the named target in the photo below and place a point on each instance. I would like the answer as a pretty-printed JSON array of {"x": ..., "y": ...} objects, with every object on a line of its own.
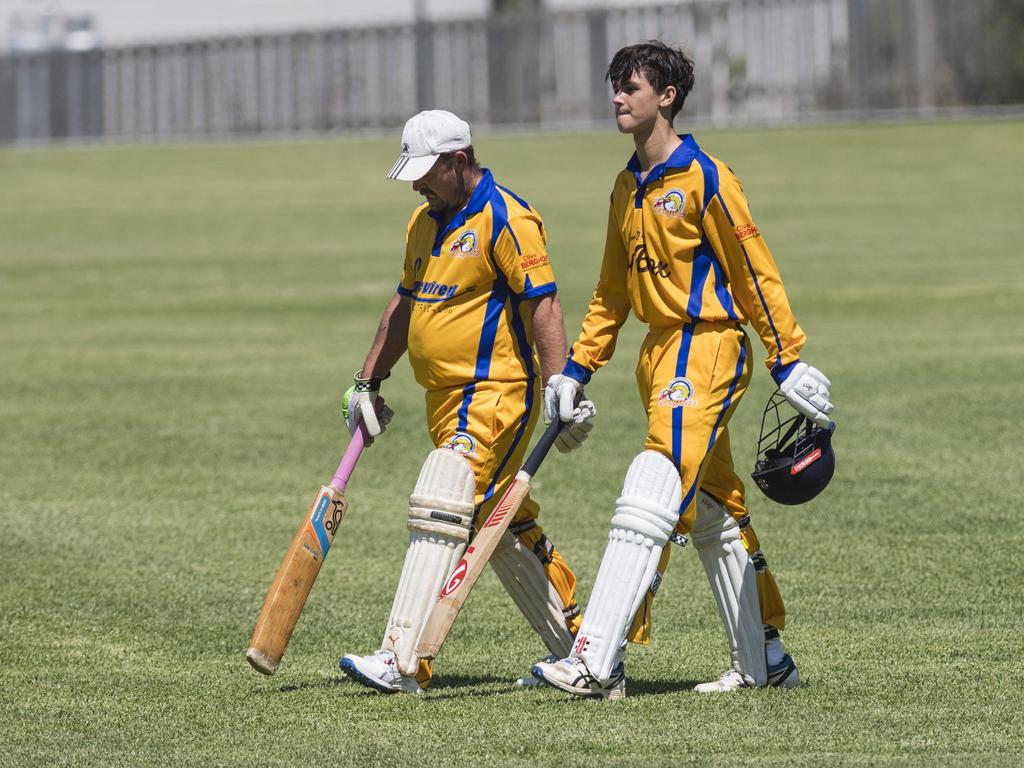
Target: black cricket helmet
[{"x": 795, "y": 460}]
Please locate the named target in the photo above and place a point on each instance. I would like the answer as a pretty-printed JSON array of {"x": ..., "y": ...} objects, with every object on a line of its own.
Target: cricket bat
[
  {"x": 302, "y": 563},
  {"x": 468, "y": 570}
]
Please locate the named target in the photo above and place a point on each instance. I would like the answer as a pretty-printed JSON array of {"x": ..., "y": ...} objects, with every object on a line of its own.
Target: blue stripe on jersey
[
  {"x": 757, "y": 287},
  {"x": 515, "y": 241},
  {"x": 467, "y": 398},
  {"x": 677, "y": 413},
  {"x": 702, "y": 259},
  {"x": 499, "y": 291},
  {"x": 722, "y": 290},
  {"x": 737, "y": 377},
  {"x": 495, "y": 306},
  {"x": 707, "y": 165},
  {"x": 405, "y": 292},
  {"x": 499, "y": 221},
  {"x": 711, "y": 183}
]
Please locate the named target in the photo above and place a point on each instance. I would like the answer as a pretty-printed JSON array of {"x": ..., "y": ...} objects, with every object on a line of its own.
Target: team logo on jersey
[
  {"x": 671, "y": 204},
  {"x": 465, "y": 246},
  {"x": 677, "y": 394},
  {"x": 462, "y": 443}
]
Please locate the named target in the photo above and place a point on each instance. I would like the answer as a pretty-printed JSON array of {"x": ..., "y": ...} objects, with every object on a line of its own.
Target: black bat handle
[{"x": 540, "y": 450}]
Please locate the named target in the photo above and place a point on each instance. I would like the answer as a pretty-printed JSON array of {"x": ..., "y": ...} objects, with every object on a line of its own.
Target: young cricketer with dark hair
[{"x": 683, "y": 253}]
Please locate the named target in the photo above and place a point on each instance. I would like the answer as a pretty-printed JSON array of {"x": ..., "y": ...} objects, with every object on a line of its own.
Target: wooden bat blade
[
  {"x": 469, "y": 568},
  {"x": 294, "y": 579}
]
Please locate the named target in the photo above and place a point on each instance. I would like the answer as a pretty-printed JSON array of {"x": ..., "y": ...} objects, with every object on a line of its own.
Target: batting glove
[
  {"x": 576, "y": 431},
  {"x": 359, "y": 404},
  {"x": 559, "y": 395},
  {"x": 806, "y": 389}
]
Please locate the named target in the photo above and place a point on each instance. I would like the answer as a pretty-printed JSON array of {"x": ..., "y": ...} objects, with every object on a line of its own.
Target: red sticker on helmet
[{"x": 805, "y": 462}]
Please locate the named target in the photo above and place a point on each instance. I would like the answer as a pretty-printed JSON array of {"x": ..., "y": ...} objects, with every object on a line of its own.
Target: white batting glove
[
  {"x": 559, "y": 395},
  {"x": 807, "y": 390},
  {"x": 359, "y": 404},
  {"x": 575, "y": 432}
]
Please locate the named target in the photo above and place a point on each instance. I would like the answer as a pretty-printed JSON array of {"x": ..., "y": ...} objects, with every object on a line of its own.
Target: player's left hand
[
  {"x": 576, "y": 431},
  {"x": 359, "y": 404},
  {"x": 559, "y": 395},
  {"x": 807, "y": 390}
]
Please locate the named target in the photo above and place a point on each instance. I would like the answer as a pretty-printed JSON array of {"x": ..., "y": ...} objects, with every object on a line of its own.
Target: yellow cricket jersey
[
  {"x": 467, "y": 281},
  {"x": 682, "y": 247}
]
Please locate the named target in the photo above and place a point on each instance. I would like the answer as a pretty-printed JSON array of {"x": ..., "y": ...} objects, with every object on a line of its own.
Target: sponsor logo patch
[
  {"x": 746, "y": 232},
  {"x": 677, "y": 394},
  {"x": 672, "y": 204},
  {"x": 805, "y": 462},
  {"x": 582, "y": 642},
  {"x": 462, "y": 443},
  {"x": 433, "y": 292},
  {"x": 531, "y": 260},
  {"x": 466, "y": 246}
]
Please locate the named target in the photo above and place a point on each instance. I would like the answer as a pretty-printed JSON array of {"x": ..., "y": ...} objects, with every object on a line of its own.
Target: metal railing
[{"x": 763, "y": 60}]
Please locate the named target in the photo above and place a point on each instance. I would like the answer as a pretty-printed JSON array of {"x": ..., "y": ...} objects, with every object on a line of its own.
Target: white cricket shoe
[
  {"x": 730, "y": 680},
  {"x": 531, "y": 681},
  {"x": 379, "y": 671},
  {"x": 572, "y": 676},
  {"x": 782, "y": 675}
]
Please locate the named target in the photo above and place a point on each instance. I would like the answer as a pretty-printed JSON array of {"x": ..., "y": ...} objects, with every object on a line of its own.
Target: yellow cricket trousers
[{"x": 691, "y": 379}]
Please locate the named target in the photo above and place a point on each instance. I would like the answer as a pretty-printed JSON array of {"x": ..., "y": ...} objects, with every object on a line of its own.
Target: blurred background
[{"x": 130, "y": 70}]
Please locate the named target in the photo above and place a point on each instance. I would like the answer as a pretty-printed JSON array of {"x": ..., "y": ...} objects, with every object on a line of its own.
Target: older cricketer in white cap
[{"x": 478, "y": 312}]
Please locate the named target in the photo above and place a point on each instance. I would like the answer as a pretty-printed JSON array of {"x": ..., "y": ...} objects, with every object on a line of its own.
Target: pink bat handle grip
[{"x": 352, "y": 453}]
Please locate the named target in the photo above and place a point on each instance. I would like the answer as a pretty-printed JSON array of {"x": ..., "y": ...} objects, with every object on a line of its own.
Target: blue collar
[
  {"x": 477, "y": 202},
  {"x": 681, "y": 157}
]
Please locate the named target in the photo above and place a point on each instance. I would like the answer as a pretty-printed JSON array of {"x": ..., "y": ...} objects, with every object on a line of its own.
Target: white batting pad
[
  {"x": 440, "y": 519},
  {"x": 522, "y": 574},
  {"x": 716, "y": 537},
  {"x": 645, "y": 516}
]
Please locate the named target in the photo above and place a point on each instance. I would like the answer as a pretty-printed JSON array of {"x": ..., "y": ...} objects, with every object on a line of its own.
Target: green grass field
[{"x": 178, "y": 324}]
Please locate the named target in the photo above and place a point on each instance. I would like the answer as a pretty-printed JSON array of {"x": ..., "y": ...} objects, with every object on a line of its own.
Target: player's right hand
[
  {"x": 559, "y": 397},
  {"x": 359, "y": 404},
  {"x": 807, "y": 390}
]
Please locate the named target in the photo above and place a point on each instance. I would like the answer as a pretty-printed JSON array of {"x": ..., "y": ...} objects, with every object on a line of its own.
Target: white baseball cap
[{"x": 426, "y": 137}]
